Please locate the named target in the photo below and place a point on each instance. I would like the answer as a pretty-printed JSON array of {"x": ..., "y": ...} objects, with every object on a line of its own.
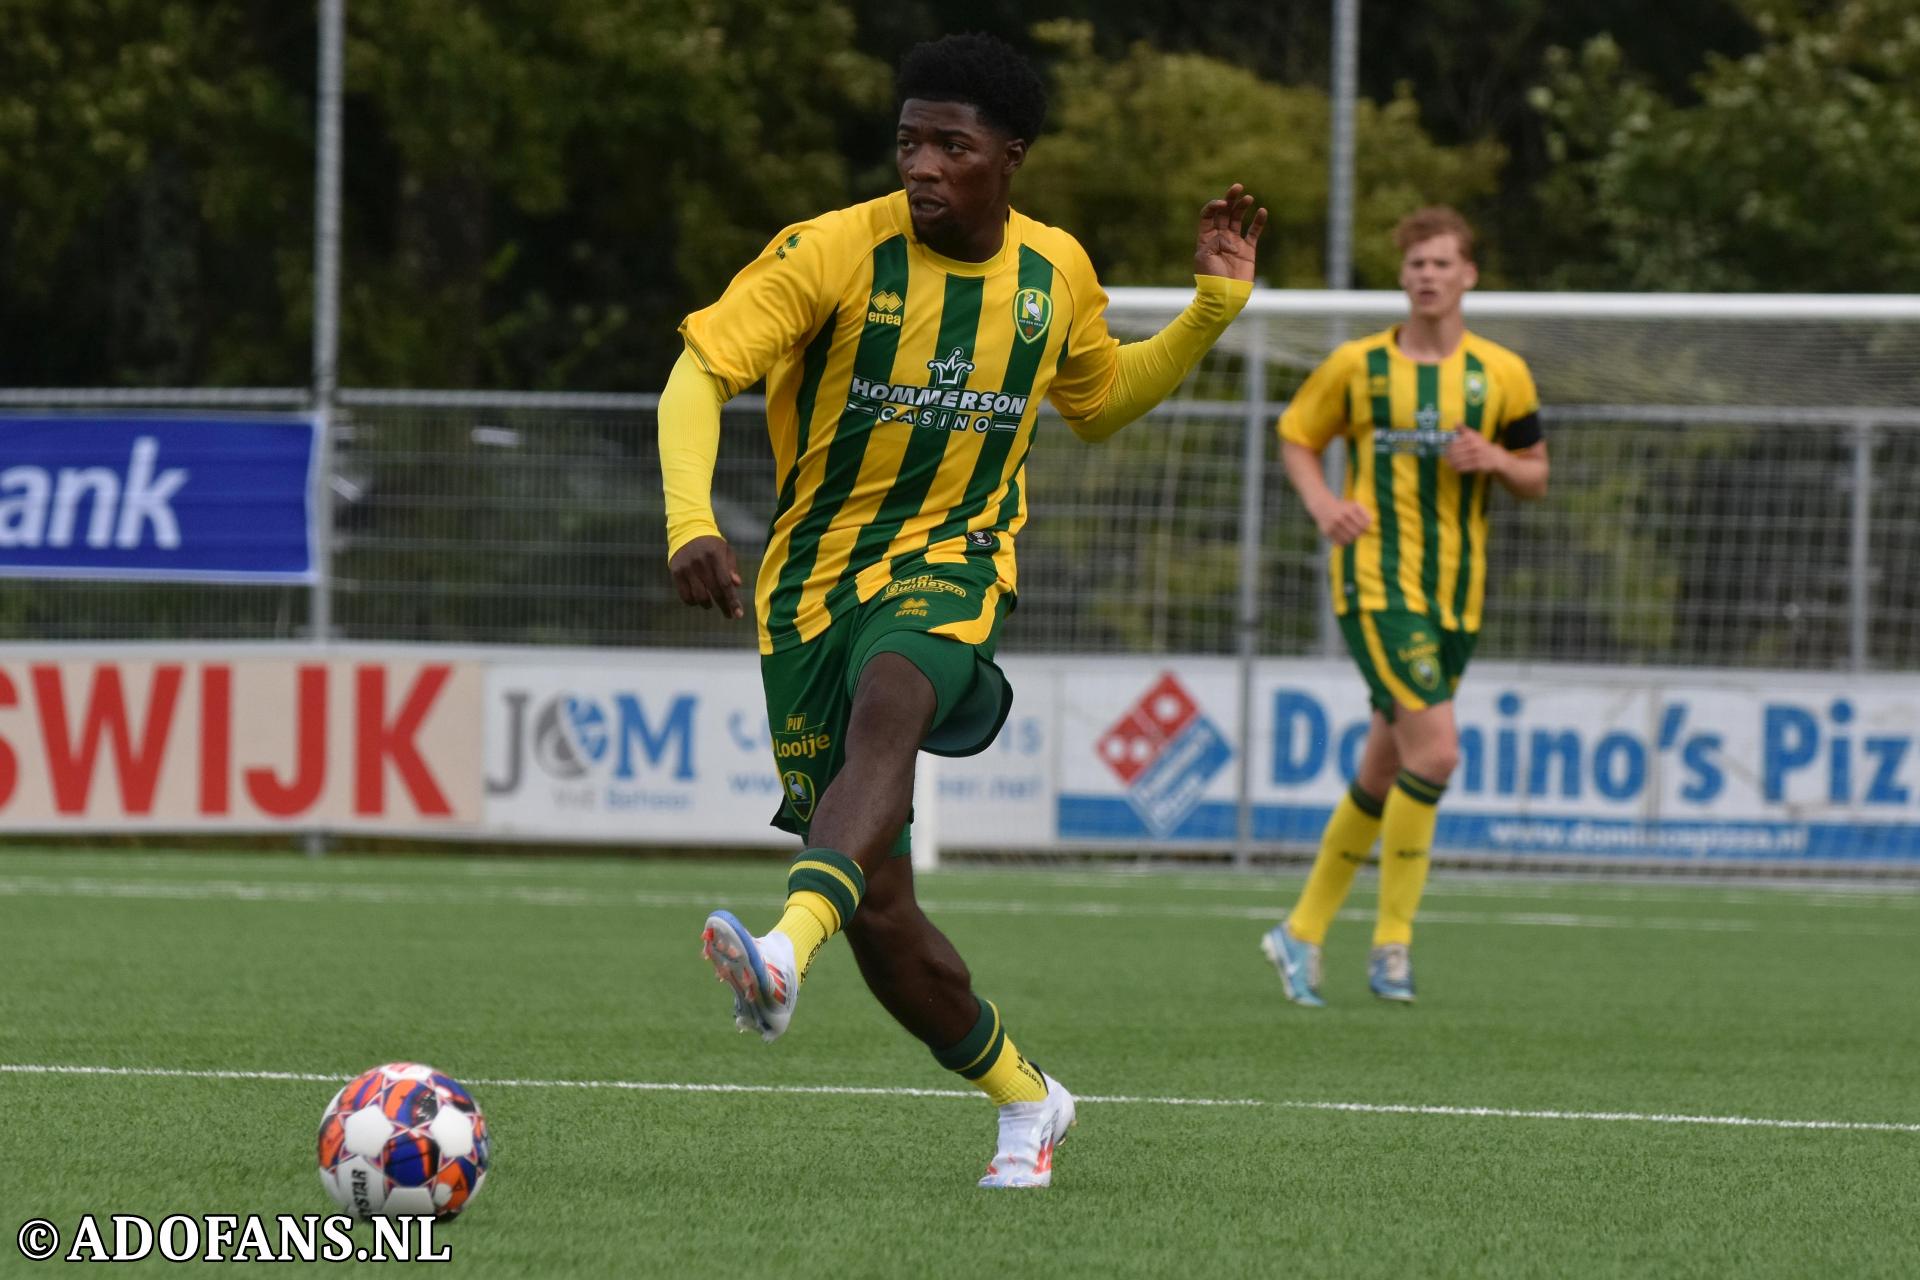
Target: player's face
[
  {"x": 1435, "y": 275},
  {"x": 956, "y": 170}
]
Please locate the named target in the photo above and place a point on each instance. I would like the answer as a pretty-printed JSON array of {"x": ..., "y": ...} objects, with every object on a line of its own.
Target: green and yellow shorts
[
  {"x": 1408, "y": 659},
  {"x": 943, "y": 618}
]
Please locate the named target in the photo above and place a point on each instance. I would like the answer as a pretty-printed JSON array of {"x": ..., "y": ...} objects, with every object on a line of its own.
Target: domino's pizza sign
[{"x": 1164, "y": 751}]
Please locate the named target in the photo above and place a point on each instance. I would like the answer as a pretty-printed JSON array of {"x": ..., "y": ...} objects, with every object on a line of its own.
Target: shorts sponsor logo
[
  {"x": 912, "y": 607},
  {"x": 922, "y": 583},
  {"x": 808, "y": 745},
  {"x": 799, "y": 740}
]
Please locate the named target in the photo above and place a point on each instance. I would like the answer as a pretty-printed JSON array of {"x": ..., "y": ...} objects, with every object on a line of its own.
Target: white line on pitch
[
  {"x": 566, "y": 897},
  {"x": 1593, "y": 886},
  {"x": 899, "y": 1091},
  {"x": 1639, "y": 1117},
  {"x": 633, "y": 1086}
]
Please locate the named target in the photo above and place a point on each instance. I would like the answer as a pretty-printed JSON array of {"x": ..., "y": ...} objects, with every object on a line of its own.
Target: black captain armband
[{"x": 1523, "y": 433}]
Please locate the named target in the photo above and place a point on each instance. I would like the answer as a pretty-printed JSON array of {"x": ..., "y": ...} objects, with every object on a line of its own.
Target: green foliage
[
  {"x": 1138, "y": 144},
  {"x": 568, "y": 181},
  {"x": 1793, "y": 169},
  {"x": 535, "y": 191},
  {"x": 153, "y": 206}
]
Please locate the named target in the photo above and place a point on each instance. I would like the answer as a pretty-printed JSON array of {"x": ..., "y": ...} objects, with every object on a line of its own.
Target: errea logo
[{"x": 884, "y": 308}]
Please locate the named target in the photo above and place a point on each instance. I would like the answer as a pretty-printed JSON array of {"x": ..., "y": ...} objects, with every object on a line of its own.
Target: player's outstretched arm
[
  {"x": 1145, "y": 373},
  {"x": 702, "y": 564}
]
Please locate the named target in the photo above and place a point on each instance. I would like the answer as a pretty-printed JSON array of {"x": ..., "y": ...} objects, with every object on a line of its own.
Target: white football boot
[
  {"x": 1029, "y": 1132},
  {"x": 761, "y": 971}
]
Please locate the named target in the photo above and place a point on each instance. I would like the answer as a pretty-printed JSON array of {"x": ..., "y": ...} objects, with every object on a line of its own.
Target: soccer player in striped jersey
[
  {"x": 907, "y": 344},
  {"x": 1431, "y": 415}
]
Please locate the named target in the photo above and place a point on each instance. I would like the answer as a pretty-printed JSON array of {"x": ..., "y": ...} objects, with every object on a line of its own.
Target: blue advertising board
[{"x": 198, "y": 498}]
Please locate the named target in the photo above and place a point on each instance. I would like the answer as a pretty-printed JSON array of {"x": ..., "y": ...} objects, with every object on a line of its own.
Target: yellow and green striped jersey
[
  {"x": 1426, "y": 550},
  {"x": 902, "y": 389}
]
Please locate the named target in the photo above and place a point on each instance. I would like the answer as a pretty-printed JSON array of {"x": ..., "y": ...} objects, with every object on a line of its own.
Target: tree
[
  {"x": 1792, "y": 171},
  {"x": 1137, "y": 144},
  {"x": 558, "y": 183},
  {"x": 153, "y": 171}
]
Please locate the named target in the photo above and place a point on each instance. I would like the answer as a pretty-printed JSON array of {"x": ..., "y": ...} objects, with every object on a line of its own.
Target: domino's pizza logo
[{"x": 1165, "y": 751}]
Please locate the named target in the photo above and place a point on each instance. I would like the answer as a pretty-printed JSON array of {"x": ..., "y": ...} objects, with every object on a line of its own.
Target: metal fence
[
  {"x": 1759, "y": 539},
  {"x": 1774, "y": 536}
]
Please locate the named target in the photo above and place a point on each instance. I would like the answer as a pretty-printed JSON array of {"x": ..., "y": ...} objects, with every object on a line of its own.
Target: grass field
[{"x": 1613, "y": 1011}]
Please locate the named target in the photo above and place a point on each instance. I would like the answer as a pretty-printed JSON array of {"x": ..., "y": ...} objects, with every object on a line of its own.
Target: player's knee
[
  {"x": 1435, "y": 761},
  {"x": 1375, "y": 776}
]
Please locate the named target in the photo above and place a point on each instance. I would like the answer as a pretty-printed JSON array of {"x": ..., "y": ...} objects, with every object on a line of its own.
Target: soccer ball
[{"x": 403, "y": 1141}]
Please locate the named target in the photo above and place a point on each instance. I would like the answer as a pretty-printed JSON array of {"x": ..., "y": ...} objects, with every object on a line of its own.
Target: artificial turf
[{"x": 527, "y": 977}]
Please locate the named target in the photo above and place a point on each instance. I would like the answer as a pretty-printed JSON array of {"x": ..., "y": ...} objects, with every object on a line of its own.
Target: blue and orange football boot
[{"x": 761, "y": 971}]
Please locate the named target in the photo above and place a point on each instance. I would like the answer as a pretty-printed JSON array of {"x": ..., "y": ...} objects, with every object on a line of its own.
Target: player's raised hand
[
  {"x": 1472, "y": 453},
  {"x": 1225, "y": 244},
  {"x": 705, "y": 573}
]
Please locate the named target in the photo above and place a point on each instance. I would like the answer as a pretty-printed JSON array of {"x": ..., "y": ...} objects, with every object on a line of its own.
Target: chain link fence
[{"x": 1761, "y": 536}]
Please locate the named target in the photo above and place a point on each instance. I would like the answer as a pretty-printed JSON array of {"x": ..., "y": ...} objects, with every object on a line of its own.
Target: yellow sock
[
  {"x": 809, "y": 920},
  {"x": 987, "y": 1060},
  {"x": 1344, "y": 846},
  {"x": 824, "y": 889},
  {"x": 1406, "y": 843}
]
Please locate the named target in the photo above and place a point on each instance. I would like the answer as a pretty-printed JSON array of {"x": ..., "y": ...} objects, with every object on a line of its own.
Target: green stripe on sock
[
  {"x": 1419, "y": 788},
  {"x": 813, "y": 879},
  {"x": 1370, "y": 805},
  {"x": 809, "y": 881},
  {"x": 989, "y": 1059},
  {"x": 973, "y": 1046}
]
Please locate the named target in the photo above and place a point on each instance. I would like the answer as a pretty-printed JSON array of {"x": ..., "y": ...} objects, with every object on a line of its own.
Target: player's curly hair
[{"x": 981, "y": 70}]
